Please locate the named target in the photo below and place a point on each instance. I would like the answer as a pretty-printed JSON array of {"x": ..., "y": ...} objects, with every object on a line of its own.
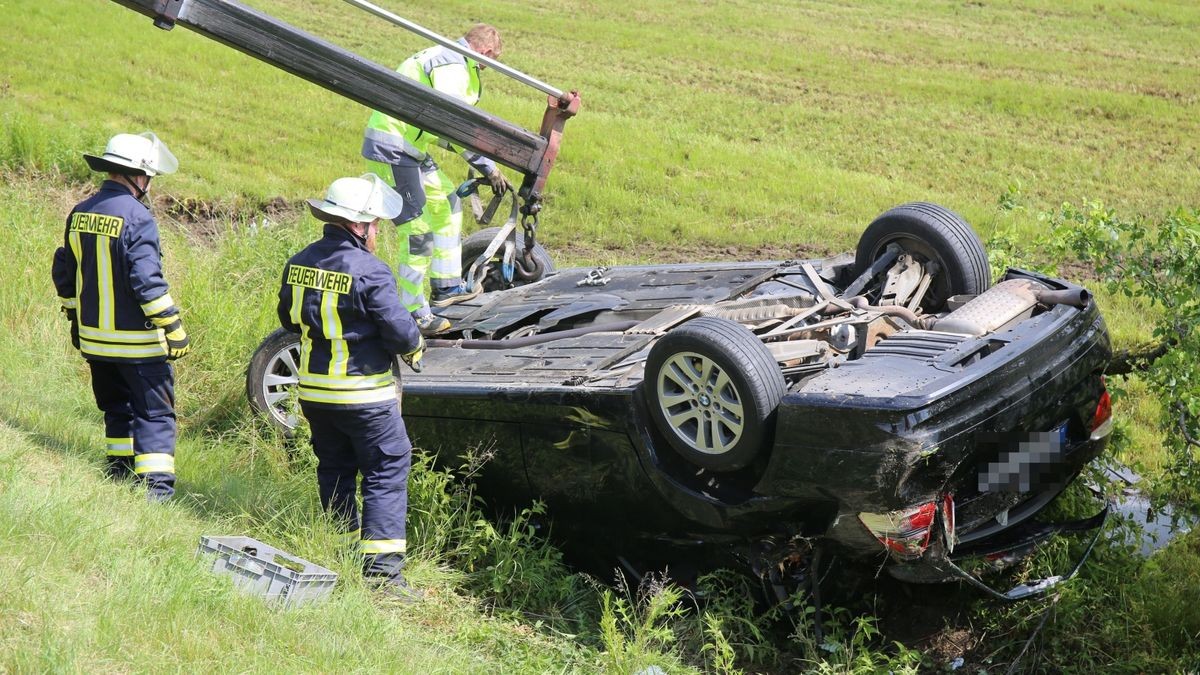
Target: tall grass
[
  {"x": 93, "y": 579},
  {"x": 110, "y": 580},
  {"x": 1126, "y": 614}
]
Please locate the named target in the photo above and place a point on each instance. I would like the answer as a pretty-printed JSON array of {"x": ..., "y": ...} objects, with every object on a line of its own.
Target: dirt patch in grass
[
  {"x": 205, "y": 222},
  {"x": 1079, "y": 272}
]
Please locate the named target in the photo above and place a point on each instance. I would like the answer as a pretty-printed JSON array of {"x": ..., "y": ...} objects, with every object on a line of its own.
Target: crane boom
[{"x": 347, "y": 74}]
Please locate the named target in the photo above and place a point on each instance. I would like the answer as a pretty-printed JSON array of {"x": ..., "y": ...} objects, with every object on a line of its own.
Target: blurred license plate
[{"x": 1025, "y": 461}]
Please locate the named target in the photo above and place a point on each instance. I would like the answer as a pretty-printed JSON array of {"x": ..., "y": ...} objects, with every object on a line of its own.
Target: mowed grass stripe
[{"x": 726, "y": 123}]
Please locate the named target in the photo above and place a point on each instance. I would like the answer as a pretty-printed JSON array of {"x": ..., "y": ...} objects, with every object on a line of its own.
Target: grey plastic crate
[{"x": 255, "y": 568}]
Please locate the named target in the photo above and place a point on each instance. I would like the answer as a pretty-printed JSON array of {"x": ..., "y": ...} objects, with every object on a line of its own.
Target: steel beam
[{"x": 348, "y": 74}]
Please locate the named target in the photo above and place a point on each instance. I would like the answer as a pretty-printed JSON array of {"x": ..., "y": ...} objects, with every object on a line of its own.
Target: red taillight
[
  {"x": 906, "y": 532},
  {"x": 1102, "y": 422},
  {"x": 1103, "y": 411},
  {"x": 922, "y": 518}
]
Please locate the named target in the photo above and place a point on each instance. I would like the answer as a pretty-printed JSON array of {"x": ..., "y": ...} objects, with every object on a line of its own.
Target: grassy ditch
[{"x": 501, "y": 597}]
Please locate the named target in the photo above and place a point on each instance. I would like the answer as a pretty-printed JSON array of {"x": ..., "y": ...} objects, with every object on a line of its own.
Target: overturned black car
[{"x": 890, "y": 403}]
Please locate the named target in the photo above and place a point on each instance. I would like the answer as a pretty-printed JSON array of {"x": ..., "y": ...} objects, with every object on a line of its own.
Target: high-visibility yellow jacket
[{"x": 390, "y": 141}]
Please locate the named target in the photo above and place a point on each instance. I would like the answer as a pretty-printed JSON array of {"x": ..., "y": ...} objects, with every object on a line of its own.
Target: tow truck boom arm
[{"x": 352, "y": 76}]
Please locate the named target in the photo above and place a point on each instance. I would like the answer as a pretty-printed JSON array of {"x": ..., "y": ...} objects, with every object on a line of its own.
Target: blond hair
[{"x": 481, "y": 36}]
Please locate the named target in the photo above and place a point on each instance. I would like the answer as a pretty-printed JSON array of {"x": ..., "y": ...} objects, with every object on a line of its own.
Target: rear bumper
[{"x": 936, "y": 566}]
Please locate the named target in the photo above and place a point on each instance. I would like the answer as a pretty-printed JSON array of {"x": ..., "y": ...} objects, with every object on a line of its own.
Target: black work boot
[
  {"x": 119, "y": 468},
  {"x": 381, "y": 571},
  {"x": 397, "y": 588},
  {"x": 160, "y": 487}
]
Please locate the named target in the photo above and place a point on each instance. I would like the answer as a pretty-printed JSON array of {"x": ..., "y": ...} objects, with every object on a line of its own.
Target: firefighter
[
  {"x": 430, "y": 224},
  {"x": 124, "y": 322},
  {"x": 342, "y": 300}
]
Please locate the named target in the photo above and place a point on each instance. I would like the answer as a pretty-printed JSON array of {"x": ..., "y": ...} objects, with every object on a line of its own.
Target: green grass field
[
  {"x": 710, "y": 130},
  {"x": 736, "y": 123}
]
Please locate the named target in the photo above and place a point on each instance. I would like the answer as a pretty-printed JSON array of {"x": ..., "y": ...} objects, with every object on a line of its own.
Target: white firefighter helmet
[
  {"x": 358, "y": 200},
  {"x": 134, "y": 154}
]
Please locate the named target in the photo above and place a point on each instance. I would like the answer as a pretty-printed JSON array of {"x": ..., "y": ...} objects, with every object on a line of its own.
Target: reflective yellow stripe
[
  {"x": 370, "y": 546},
  {"x": 138, "y": 337},
  {"x": 154, "y": 462},
  {"x": 76, "y": 249},
  {"x": 158, "y": 306},
  {"x": 352, "y": 536},
  {"x": 119, "y": 447},
  {"x": 297, "y": 301},
  {"x": 348, "y": 397},
  {"x": 121, "y": 351},
  {"x": 346, "y": 389},
  {"x": 104, "y": 282},
  {"x": 305, "y": 348},
  {"x": 69, "y": 303},
  {"x": 339, "y": 354},
  {"x": 130, "y": 344},
  {"x": 347, "y": 382}
]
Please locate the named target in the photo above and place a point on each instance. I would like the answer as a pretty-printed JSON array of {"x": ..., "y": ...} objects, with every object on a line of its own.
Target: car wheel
[
  {"x": 930, "y": 233},
  {"x": 272, "y": 378},
  {"x": 713, "y": 388},
  {"x": 474, "y": 246}
]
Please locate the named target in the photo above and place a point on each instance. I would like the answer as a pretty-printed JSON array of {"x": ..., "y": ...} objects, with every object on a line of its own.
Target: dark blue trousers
[
  {"x": 371, "y": 442},
  {"x": 138, "y": 402}
]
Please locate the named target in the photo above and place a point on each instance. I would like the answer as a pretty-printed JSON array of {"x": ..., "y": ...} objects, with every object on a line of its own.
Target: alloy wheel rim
[
  {"x": 700, "y": 403},
  {"x": 280, "y": 383}
]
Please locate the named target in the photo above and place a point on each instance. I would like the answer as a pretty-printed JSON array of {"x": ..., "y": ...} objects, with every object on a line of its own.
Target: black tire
[
  {"x": 684, "y": 375},
  {"x": 931, "y": 233},
  {"x": 272, "y": 378},
  {"x": 474, "y": 246}
]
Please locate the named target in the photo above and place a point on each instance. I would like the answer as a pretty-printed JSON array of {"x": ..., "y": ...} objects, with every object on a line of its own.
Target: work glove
[
  {"x": 498, "y": 181},
  {"x": 73, "y": 317},
  {"x": 413, "y": 358},
  {"x": 178, "y": 343}
]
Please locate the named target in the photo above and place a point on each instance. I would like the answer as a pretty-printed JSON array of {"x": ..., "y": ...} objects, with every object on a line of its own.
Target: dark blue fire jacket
[
  {"x": 342, "y": 300},
  {"x": 109, "y": 271}
]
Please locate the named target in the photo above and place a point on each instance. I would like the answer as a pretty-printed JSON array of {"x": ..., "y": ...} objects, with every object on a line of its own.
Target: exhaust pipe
[{"x": 1074, "y": 297}]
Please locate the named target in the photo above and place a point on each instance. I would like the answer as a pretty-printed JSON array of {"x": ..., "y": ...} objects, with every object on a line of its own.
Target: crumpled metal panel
[{"x": 547, "y": 363}]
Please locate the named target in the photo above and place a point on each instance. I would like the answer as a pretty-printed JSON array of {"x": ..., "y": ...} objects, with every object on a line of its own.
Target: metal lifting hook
[
  {"x": 529, "y": 268},
  {"x": 525, "y": 266}
]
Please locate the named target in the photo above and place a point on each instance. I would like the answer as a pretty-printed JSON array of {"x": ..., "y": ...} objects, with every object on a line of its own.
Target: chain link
[{"x": 529, "y": 223}]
